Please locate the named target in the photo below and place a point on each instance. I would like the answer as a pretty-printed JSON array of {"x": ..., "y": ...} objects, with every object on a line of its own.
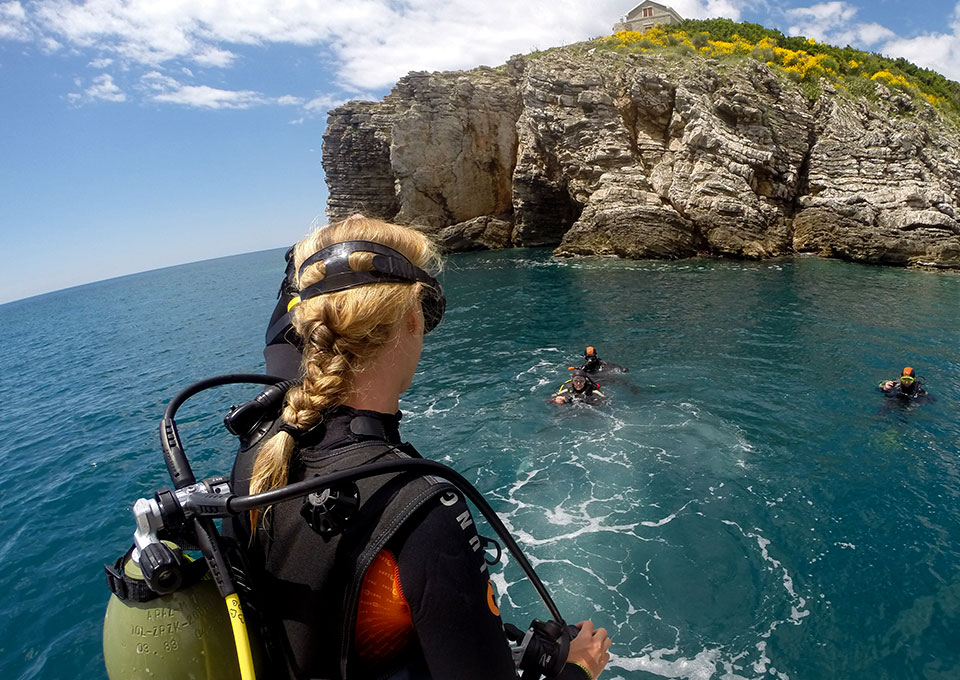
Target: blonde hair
[{"x": 342, "y": 331}]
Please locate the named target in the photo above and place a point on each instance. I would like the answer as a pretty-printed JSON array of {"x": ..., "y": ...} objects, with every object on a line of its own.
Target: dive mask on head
[{"x": 389, "y": 266}]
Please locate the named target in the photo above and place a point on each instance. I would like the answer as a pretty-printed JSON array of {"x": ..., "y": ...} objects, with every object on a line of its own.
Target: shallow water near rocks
[{"x": 747, "y": 505}]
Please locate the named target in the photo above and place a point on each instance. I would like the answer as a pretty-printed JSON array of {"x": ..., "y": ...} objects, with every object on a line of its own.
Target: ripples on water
[{"x": 746, "y": 506}]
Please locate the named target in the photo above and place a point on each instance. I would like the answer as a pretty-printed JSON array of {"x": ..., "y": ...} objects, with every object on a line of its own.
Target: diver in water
[
  {"x": 592, "y": 363},
  {"x": 579, "y": 388},
  {"x": 404, "y": 589},
  {"x": 908, "y": 386}
]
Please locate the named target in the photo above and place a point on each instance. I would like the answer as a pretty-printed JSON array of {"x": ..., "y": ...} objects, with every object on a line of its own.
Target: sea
[{"x": 746, "y": 505}]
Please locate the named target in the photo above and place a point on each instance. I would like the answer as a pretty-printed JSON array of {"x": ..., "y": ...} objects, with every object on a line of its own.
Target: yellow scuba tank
[{"x": 185, "y": 635}]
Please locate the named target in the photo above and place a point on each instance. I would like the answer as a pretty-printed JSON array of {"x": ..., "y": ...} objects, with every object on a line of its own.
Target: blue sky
[{"x": 137, "y": 134}]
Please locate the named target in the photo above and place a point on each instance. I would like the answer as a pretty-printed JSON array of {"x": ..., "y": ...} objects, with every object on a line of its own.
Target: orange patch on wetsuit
[
  {"x": 491, "y": 599},
  {"x": 384, "y": 624}
]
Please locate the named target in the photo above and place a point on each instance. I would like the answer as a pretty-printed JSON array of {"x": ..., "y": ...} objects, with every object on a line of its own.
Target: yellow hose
[{"x": 240, "y": 637}]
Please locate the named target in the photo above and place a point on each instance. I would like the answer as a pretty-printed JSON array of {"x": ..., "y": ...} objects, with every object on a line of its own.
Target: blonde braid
[{"x": 343, "y": 332}]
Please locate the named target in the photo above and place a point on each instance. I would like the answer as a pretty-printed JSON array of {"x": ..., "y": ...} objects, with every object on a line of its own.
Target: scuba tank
[
  {"x": 182, "y": 635},
  {"x": 166, "y": 617}
]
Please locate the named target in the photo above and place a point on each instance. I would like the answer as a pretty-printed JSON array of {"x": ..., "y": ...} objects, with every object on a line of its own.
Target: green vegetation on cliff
[{"x": 804, "y": 61}]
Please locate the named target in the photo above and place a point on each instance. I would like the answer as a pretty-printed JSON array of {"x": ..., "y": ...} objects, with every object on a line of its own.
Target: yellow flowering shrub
[
  {"x": 798, "y": 65},
  {"x": 891, "y": 79}
]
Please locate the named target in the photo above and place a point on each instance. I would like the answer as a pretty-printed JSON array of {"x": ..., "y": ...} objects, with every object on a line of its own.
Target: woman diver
[{"x": 387, "y": 577}]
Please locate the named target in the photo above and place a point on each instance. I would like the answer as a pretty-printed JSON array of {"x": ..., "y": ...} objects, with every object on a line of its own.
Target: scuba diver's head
[
  {"x": 591, "y": 362},
  {"x": 580, "y": 381},
  {"x": 358, "y": 281},
  {"x": 908, "y": 381}
]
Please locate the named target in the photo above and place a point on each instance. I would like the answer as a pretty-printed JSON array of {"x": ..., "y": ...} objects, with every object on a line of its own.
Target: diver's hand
[
  {"x": 887, "y": 385},
  {"x": 589, "y": 648}
]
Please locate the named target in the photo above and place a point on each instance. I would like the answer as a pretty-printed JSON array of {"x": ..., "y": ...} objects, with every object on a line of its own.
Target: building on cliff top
[{"x": 646, "y": 15}]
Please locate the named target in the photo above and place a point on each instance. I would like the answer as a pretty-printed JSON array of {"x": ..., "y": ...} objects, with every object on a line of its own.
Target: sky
[{"x": 138, "y": 134}]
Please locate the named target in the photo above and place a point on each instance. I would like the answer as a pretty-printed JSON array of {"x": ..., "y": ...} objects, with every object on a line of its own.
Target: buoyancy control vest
[{"x": 311, "y": 582}]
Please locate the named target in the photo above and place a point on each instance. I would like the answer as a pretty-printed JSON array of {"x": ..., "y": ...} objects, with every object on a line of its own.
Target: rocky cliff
[{"x": 651, "y": 155}]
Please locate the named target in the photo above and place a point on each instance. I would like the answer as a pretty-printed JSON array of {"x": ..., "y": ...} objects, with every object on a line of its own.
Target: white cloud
[
  {"x": 205, "y": 97},
  {"x": 728, "y": 9},
  {"x": 323, "y": 103},
  {"x": 871, "y": 34},
  {"x": 102, "y": 89},
  {"x": 213, "y": 56},
  {"x": 13, "y": 22},
  {"x": 374, "y": 41},
  {"x": 162, "y": 88},
  {"x": 822, "y": 20},
  {"x": 158, "y": 82},
  {"x": 105, "y": 89},
  {"x": 100, "y": 63},
  {"x": 429, "y": 35}
]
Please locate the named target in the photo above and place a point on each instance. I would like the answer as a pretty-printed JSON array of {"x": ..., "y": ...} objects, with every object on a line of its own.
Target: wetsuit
[
  {"x": 282, "y": 345},
  {"x": 897, "y": 390},
  {"x": 454, "y": 630},
  {"x": 594, "y": 364},
  {"x": 590, "y": 394}
]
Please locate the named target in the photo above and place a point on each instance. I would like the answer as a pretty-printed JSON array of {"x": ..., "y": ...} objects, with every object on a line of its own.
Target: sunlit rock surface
[{"x": 600, "y": 153}]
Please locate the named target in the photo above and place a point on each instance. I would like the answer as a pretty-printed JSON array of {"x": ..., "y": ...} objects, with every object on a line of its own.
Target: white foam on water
[
  {"x": 540, "y": 383},
  {"x": 501, "y": 586},
  {"x": 433, "y": 409},
  {"x": 702, "y": 667},
  {"x": 798, "y": 610},
  {"x": 559, "y": 516},
  {"x": 593, "y": 526},
  {"x": 666, "y": 520}
]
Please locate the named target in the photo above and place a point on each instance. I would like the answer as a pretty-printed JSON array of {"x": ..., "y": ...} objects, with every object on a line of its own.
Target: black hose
[
  {"x": 173, "y": 455},
  {"x": 216, "y": 381}
]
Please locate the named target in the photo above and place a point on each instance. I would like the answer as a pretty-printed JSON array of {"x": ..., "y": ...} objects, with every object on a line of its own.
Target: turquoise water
[{"x": 746, "y": 506}]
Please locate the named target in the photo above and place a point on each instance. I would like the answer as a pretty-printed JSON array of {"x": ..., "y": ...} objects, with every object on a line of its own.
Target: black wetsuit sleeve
[
  {"x": 282, "y": 356},
  {"x": 447, "y": 585}
]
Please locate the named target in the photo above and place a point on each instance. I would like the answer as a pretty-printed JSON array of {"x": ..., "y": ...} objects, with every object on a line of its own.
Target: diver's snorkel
[{"x": 188, "y": 511}]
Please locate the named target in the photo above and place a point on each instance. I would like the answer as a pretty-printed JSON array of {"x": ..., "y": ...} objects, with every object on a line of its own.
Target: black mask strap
[{"x": 389, "y": 266}]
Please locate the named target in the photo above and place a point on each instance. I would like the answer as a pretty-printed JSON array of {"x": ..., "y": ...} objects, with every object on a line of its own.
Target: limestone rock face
[
  {"x": 597, "y": 153},
  {"x": 356, "y": 160},
  {"x": 439, "y": 150},
  {"x": 881, "y": 189},
  {"x": 480, "y": 233}
]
